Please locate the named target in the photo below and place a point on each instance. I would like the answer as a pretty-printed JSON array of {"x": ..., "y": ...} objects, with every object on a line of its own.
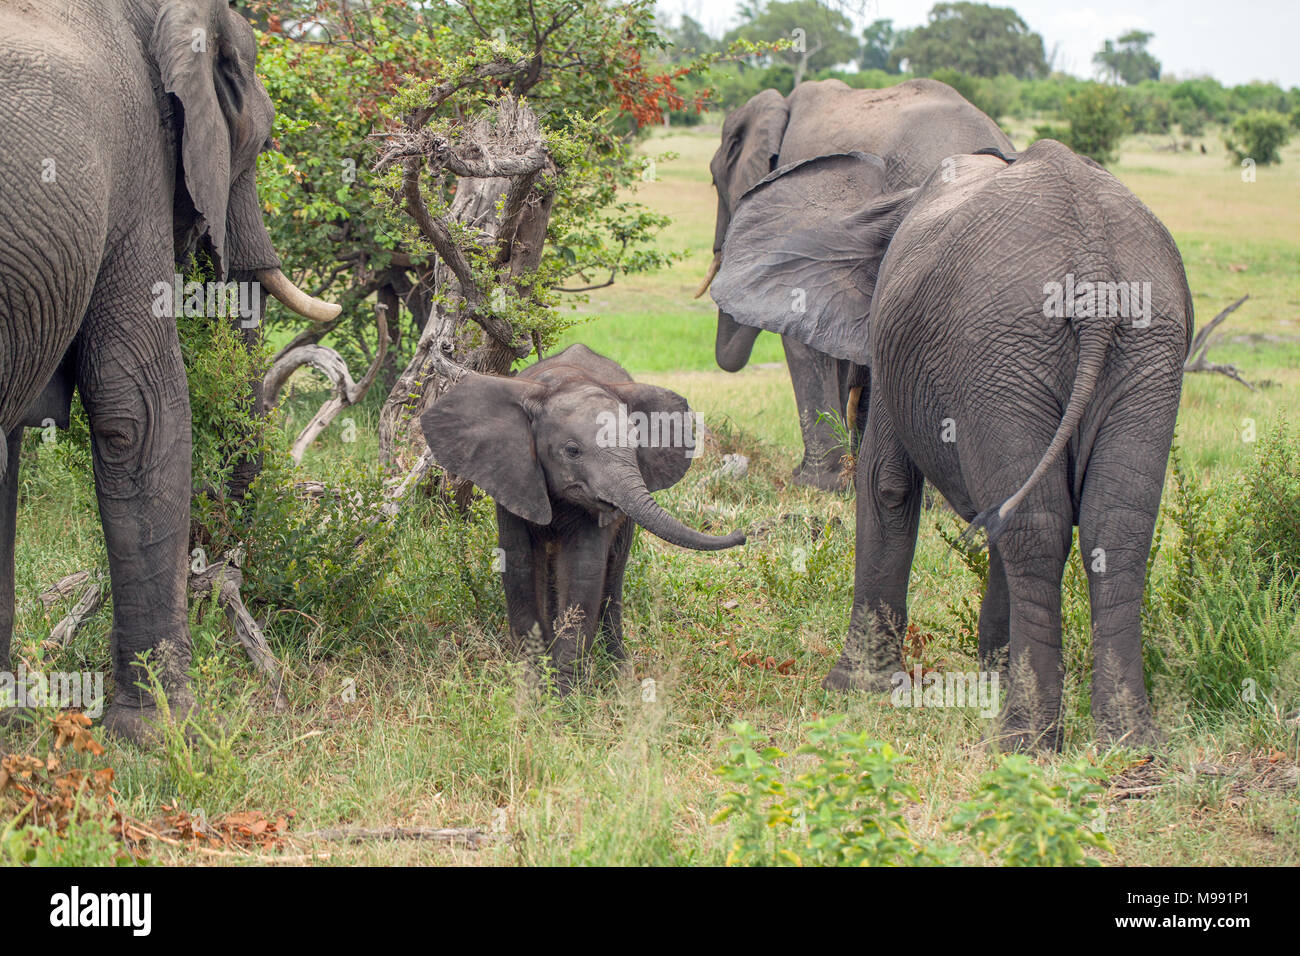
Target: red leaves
[
  {"x": 645, "y": 97},
  {"x": 247, "y": 830}
]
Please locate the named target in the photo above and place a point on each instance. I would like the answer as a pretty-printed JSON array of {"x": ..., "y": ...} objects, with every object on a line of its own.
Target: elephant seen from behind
[
  {"x": 570, "y": 449},
  {"x": 911, "y": 126},
  {"x": 1026, "y": 325}
]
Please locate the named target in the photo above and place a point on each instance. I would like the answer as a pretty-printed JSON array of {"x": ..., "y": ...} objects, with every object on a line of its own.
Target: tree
[
  {"x": 1097, "y": 121},
  {"x": 818, "y": 37},
  {"x": 880, "y": 40},
  {"x": 1258, "y": 136},
  {"x": 975, "y": 39},
  {"x": 336, "y": 69},
  {"x": 1127, "y": 59},
  {"x": 688, "y": 40}
]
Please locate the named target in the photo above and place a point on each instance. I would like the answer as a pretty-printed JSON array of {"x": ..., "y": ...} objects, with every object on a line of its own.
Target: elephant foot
[
  {"x": 848, "y": 677},
  {"x": 819, "y": 478},
  {"x": 1142, "y": 735},
  {"x": 1017, "y": 737},
  {"x": 142, "y": 722}
]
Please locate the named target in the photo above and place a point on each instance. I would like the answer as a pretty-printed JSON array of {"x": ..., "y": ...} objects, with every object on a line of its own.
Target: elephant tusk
[
  {"x": 714, "y": 266},
  {"x": 851, "y": 413},
  {"x": 308, "y": 306}
]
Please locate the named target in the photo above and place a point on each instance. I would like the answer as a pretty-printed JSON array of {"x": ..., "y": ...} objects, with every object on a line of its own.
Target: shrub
[
  {"x": 845, "y": 809},
  {"x": 1097, "y": 120},
  {"x": 1022, "y": 820},
  {"x": 1258, "y": 135}
]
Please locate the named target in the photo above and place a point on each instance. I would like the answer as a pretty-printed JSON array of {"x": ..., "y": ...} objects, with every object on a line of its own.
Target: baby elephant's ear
[
  {"x": 481, "y": 430},
  {"x": 673, "y": 438}
]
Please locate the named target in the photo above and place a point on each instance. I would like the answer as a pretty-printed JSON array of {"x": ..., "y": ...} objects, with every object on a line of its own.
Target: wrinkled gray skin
[
  {"x": 147, "y": 147},
  {"x": 911, "y": 126},
  {"x": 1026, "y": 424},
  {"x": 568, "y": 499}
]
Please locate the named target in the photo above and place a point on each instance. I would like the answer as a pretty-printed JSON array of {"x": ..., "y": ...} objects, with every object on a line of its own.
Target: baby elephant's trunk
[{"x": 641, "y": 508}]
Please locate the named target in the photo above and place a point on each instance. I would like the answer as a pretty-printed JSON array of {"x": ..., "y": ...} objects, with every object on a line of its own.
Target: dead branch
[
  {"x": 329, "y": 362},
  {"x": 452, "y": 836},
  {"x": 223, "y": 581},
  {"x": 1196, "y": 356},
  {"x": 90, "y": 601},
  {"x": 63, "y": 587}
]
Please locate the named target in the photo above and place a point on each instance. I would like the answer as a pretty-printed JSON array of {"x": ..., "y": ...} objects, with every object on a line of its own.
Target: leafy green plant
[
  {"x": 1258, "y": 135},
  {"x": 86, "y": 840},
  {"x": 844, "y": 809},
  {"x": 1019, "y": 818},
  {"x": 1097, "y": 120}
]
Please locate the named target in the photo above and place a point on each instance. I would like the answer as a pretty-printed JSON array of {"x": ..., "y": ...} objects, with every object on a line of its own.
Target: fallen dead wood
[
  {"x": 1196, "y": 357},
  {"x": 223, "y": 580},
  {"x": 452, "y": 836},
  {"x": 87, "y": 605},
  {"x": 346, "y": 391},
  {"x": 63, "y": 587}
]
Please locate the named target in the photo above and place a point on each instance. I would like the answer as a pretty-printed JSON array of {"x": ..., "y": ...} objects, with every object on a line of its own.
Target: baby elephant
[{"x": 570, "y": 449}]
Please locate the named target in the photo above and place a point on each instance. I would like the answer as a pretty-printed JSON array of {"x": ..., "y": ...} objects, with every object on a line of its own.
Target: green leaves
[
  {"x": 1020, "y": 819},
  {"x": 838, "y": 801},
  {"x": 844, "y": 809}
]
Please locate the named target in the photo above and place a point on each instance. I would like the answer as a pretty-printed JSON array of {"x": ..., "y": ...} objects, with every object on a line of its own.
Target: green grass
[{"x": 442, "y": 733}]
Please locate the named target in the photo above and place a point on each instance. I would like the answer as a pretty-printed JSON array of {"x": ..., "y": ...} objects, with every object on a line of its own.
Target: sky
[{"x": 1233, "y": 42}]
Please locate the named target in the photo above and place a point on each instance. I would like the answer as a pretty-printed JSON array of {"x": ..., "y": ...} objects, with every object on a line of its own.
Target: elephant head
[
  {"x": 805, "y": 249},
  {"x": 221, "y": 117},
  {"x": 751, "y": 143},
  {"x": 528, "y": 443}
]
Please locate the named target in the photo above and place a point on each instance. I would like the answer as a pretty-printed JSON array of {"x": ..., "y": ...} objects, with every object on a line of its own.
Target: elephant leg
[
  {"x": 820, "y": 390},
  {"x": 132, "y": 383},
  {"x": 611, "y": 619},
  {"x": 579, "y": 591},
  {"x": 1117, "y": 517},
  {"x": 995, "y": 617},
  {"x": 524, "y": 579},
  {"x": 8, "y": 524},
  {"x": 1034, "y": 547},
  {"x": 888, "y": 517}
]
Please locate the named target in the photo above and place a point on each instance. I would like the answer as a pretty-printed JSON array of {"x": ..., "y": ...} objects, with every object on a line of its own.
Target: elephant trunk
[
  {"x": 734, "y": 343},
  {"x": 308, "y": 306},
  {"x": 637, "y": 504}
]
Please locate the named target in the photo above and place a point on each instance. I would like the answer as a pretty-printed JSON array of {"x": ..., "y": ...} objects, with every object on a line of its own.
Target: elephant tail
[{"x": 1094, "y": 342}]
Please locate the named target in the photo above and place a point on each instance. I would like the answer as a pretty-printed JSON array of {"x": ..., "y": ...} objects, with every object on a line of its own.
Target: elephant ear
[
  {"x": 201, "y": 66},
  {"x": 751, "y": 142},
  {"x": 482, "y": 430},
  {"x": 804, "y": 251},
  {"x": 673, "y": 432}
]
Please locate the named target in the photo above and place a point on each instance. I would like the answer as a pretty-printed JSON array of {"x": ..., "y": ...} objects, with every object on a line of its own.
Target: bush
[
  {"x": 1258, "y": 135},
  {"x": 844, "y": 810},
  {"x": 1097, "y": 120},
  {"x": 1023, "y": 820}
]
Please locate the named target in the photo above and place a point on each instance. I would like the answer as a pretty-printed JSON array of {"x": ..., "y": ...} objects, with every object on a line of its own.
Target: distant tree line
[{"x": 991, "y": 57}]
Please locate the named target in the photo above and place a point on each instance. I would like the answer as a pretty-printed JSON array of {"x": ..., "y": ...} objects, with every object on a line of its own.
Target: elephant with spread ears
[
  {"x": 130, "y": 138},
  {"x": 570, "y": 449},
  {"x": 912, "y": 127},
  {"x": 1025, "y": 320}
]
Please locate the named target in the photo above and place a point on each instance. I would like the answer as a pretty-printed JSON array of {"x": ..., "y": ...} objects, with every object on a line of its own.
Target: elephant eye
[{"x": 572, "y": 450}]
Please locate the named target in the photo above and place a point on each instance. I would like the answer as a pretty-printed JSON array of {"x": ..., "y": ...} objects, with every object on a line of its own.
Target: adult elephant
[
  {"x": 911, "y": 126},
  {"x": 129, "y": 138},
  {"x": 1027, "y": 332}
]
